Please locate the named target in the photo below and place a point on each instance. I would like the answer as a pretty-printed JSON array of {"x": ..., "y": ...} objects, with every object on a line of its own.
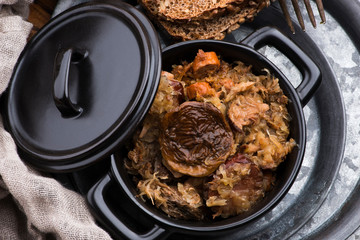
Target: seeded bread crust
[
  {"x": 211, "y": 28},
  {"x": 173, "y": 10}
]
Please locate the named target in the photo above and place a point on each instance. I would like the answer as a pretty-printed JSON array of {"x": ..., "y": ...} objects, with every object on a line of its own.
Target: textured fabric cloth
[{"x": 32, "y": 206}]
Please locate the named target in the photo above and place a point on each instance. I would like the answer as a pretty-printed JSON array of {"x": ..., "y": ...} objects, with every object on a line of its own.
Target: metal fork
[{"x": 295, "y": 4}]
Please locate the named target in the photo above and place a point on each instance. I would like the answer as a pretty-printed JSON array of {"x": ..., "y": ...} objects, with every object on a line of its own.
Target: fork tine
[
  {"x": 295, "y": 4},
  {"x": 321, "y": 10},
  {"x": 310, "y": 12},
  {"x": 286, "y": 14}
]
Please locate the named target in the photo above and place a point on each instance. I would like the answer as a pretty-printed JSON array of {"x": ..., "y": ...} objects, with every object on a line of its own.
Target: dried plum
[{"x": 195, "y": 139}]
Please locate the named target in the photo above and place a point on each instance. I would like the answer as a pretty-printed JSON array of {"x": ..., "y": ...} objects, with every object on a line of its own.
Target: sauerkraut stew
[{"x": 212, "y": 141}]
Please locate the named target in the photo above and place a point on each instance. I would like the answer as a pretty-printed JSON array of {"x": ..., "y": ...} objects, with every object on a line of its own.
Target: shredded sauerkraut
[{"x": 255, "y": 108}]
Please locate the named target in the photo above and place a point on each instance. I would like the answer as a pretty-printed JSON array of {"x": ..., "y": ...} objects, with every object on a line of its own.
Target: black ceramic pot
[{"x": 164, "y": 226}]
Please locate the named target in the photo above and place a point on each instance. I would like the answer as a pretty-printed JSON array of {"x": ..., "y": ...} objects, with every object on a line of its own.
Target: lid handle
[{"x": 62, "y": 100}]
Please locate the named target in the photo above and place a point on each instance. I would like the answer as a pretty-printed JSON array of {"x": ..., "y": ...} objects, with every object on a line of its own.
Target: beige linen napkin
[{"x": 32, "y": 206}]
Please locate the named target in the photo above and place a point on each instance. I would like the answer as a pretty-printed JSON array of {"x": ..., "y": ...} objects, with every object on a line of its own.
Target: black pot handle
[
  {"x": 96, "y": 200},
  {"x": 311, "y": 75}
]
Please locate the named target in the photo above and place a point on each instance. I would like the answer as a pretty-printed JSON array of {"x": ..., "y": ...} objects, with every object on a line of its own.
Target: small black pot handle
[
  {"x": 96, "y": 200},
  {"x": 311, "y": 75}
]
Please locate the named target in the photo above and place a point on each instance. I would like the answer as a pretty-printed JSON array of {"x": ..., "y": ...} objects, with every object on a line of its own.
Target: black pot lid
[{"x": 82, "y": 85}]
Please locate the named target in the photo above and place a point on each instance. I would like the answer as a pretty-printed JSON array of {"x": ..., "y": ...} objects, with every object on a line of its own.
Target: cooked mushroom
[{"x": 195, "y": 139}]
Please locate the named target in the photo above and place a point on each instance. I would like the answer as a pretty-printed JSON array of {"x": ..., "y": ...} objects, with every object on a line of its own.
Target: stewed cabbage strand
[{"x": 212, "y": 140}]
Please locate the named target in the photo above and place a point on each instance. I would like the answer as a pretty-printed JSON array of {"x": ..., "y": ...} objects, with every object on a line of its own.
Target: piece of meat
[
  {"x": 205, "y": 63},
  {"x": 181, "y": 202},
  {"x": 170, "y": 94},
  {"x": 238, "y": 88},
  {"x": 195, "y": 139},
  {"x": 235, "y": 187},
  {"x": 145, "y": 159},
  {"x": 176, "y": 85},
  {"x": 246, "y": 109},
  {"x": 199, "y": 90},
  {"x": 227, "y": 83},
  {"x": 178, "y": 88}
]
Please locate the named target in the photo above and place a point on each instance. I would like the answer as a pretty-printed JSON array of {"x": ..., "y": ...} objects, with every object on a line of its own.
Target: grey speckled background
[{"x": 345, "y": 61}]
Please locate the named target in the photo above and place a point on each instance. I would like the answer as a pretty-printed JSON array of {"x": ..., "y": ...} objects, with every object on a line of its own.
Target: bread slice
[
  {"x": 173, "y": 10},
  {"x": 213, "y": 28}
]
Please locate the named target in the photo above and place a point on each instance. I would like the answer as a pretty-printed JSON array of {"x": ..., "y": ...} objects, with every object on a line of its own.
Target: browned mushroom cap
[{"x": 195, "y": 139}]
